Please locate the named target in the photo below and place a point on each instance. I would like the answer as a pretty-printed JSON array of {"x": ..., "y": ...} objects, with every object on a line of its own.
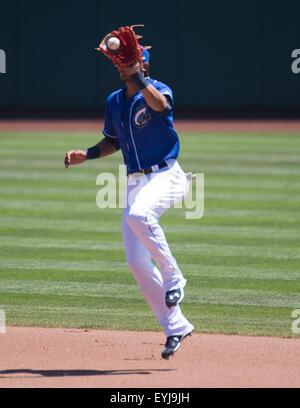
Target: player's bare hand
[{"x": 74, "y": 157}]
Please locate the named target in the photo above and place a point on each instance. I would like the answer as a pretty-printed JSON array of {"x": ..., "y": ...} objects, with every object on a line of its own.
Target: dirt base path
[
  {"x": 180, "y": 125},
  {"x": 54, "y": 358}
]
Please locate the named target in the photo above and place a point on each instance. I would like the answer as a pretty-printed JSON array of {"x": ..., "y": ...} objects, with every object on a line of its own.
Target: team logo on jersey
[{"x": 142, "y": 117}]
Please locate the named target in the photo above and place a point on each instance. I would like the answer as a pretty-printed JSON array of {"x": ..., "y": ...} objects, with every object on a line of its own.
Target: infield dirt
[
  {"x": 44, "y": 125},
  {"x": 79, "y": 358}
]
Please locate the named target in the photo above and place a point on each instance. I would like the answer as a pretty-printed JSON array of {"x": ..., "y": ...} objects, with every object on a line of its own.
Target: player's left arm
[{"x": 156, "y": 100}]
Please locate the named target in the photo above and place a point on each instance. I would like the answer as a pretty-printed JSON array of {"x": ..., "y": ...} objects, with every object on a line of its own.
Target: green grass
[{"x": 62, "y": 262}]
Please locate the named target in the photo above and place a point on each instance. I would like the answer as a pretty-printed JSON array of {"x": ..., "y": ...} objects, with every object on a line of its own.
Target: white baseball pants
[{"x": 148, "y": 197}]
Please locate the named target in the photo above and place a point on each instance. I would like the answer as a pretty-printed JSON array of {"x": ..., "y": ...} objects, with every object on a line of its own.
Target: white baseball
[{"x": 113, "y": 43}]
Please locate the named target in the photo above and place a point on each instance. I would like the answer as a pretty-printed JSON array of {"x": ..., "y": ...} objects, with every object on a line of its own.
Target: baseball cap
[{"x": 145, "y": 54}]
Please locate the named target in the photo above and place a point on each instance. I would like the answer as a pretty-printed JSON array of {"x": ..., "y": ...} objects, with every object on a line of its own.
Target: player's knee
[
  {"x": 135, "y": 218},
  {"x": 135, "y": 265},
  {"x": 138, "y": 266}
]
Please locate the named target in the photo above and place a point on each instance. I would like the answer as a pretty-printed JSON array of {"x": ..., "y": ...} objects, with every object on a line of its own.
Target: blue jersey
[{"x": 145, "y": 137}]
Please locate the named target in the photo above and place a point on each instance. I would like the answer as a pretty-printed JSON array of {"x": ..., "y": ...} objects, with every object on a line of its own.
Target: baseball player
[{"x": 139, "y": 121}]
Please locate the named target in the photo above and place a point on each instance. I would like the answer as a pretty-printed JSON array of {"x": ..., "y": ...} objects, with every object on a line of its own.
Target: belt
[{"x": 151, "y": 169}]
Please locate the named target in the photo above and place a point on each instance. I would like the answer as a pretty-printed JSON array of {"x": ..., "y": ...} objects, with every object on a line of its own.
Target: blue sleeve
[
  {"x": 166, "y": 91},
  {"x": 109, "y": 130}
]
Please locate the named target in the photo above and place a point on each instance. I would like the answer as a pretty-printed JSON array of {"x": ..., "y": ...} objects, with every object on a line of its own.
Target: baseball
[{"x": 113, "y": 43}]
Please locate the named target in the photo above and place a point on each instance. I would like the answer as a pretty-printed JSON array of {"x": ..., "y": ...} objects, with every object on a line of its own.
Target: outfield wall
[{"x": 215, "y": 55}]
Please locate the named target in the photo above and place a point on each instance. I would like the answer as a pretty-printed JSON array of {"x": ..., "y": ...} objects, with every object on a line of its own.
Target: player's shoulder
[
  {"x": 114, "y": 97},
  {"x": 158, "y": 84},
  {"x": 161, "y": 86}
]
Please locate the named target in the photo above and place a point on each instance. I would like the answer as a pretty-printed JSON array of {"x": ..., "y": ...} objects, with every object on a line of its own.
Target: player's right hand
[{"x": 74, "y": 157}]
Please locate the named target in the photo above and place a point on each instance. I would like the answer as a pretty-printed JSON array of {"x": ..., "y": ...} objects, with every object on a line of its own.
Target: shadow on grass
[{"x": 75, "y": 373}]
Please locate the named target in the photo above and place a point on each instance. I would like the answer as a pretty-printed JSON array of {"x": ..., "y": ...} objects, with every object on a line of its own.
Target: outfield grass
[{"x": 61, "y": 257}]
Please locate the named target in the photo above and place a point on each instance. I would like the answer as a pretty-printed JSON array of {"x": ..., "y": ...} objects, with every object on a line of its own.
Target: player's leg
[
  {"x": 149, "y": 281},
  {"x": 152, "y": 197}
]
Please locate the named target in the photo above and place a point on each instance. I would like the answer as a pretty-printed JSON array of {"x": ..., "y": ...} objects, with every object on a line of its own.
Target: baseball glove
[{"x": 129, "y": 51}]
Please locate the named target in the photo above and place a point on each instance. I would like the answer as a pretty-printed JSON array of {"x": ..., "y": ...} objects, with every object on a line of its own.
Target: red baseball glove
[{"x": 129, "y": 51}]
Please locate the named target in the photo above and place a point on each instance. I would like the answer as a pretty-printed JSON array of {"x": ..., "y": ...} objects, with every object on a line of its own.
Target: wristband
[
  {"x": 139, "y": 80},
  {"x": 93, "y": 152}
]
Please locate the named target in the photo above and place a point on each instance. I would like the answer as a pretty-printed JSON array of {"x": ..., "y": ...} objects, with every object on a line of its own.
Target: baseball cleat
[
  {"x": 172, "y": 345},
  {"x": 173, "y": 297}
]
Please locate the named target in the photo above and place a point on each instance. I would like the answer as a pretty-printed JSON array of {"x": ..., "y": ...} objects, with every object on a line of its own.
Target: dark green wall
[{"x": 214, "y": 54}]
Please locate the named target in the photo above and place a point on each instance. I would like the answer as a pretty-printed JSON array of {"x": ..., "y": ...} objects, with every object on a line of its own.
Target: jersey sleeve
[
  {"x": 108, "y": 130},
  {"x": 166, "y": 91}
]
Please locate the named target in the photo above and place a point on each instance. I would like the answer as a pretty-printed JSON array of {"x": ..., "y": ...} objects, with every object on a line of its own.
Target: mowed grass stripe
[
  {"x": 91, "y": 245},
  {"x": 63, "y": 265},
  {"x": 59, "y": 173},
  {"x": 198, "y": 230},
  {"x": 225, "y": 142},
  {"x": 102, "y": 271},
  {"x": 241, "y": 260},
  {"x": 86, "y": 318},
  {"x": 247, "y": 320},
  {"x": 257, "y": 254},
  {"x": 204, "y": 257},
  {"x": 204, "y": 294},
  {"x": 239, "y": 183},
  {"x": 45, "y": 199},
  {"x": 231, "y": 245},
  {"x": 225, "y": 216},
  {"x": 60, "y": 288}
]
